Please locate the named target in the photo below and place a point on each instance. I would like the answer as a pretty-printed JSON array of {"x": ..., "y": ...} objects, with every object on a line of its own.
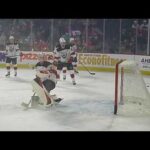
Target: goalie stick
[
  {"x": 48, "y": 97},
  {"x": 92, "y": 73},
  {"x": 26, "y": 105}
]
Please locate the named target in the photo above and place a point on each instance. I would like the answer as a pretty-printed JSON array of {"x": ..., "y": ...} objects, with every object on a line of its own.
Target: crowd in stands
[{"x": 35, "y": 34}]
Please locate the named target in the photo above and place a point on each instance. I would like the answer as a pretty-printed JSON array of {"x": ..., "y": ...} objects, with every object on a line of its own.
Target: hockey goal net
[{"x": 131, "y": 93}]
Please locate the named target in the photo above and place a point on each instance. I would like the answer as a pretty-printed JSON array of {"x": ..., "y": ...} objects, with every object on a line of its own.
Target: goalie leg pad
[
  {"x": 40, "y": 92},
  {"x": 35, "y": 101}
]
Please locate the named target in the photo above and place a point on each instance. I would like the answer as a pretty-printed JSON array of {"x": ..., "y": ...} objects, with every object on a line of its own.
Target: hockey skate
[
  {"x": 8, "y": 74},
  {"x": 58, "y": 100},
  {"x": 74, "y": 83},
  {"x": 15, "y": 74}
]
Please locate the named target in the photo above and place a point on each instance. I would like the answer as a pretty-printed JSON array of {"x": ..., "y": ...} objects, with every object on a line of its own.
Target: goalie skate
[{"x": 58, "y": 100}]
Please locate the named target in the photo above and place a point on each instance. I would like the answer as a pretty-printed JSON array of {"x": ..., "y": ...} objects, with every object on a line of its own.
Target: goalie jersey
[
  {"x": 12, "y": 50},
  {"x": 45, "y": 70},
  {"x": 64, "y": 55}
]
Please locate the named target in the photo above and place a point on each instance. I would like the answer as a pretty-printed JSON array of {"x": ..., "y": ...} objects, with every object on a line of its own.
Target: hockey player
[
  {"x": 64, "y": 56},
  {"x": 45, "y": 80},
  {"x": 74, "y": 48},
  {"x": 12, "y": 51},
  {"x": 74, "y": 61}
]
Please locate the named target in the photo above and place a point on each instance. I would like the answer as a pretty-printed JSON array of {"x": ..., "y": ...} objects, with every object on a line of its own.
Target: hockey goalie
[{"x": 44, "y": 82}]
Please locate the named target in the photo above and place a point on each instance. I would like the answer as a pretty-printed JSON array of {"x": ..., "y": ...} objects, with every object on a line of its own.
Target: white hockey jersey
[
  {"x": 65, "y": 54},
  {"x": 12, "y": 50}
]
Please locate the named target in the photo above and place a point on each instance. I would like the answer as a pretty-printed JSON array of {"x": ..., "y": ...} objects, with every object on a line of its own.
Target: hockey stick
[{"x": 92, "y": 73}]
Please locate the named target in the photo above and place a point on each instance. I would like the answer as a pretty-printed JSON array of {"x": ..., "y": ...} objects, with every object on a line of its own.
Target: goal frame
[{"x": 116, "y": 85}]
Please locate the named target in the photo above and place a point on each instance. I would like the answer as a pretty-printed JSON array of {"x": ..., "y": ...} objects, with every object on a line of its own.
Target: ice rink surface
[{"x": 87, "y": 106}]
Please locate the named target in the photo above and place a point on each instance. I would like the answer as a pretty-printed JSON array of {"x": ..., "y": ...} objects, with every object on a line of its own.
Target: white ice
[{"x": 87, "y": 106}]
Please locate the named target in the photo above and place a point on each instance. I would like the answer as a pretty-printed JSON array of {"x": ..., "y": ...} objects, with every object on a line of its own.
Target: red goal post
[
  {"x": 116, "y": 86},
  {"x": 132, "y": 97}
]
